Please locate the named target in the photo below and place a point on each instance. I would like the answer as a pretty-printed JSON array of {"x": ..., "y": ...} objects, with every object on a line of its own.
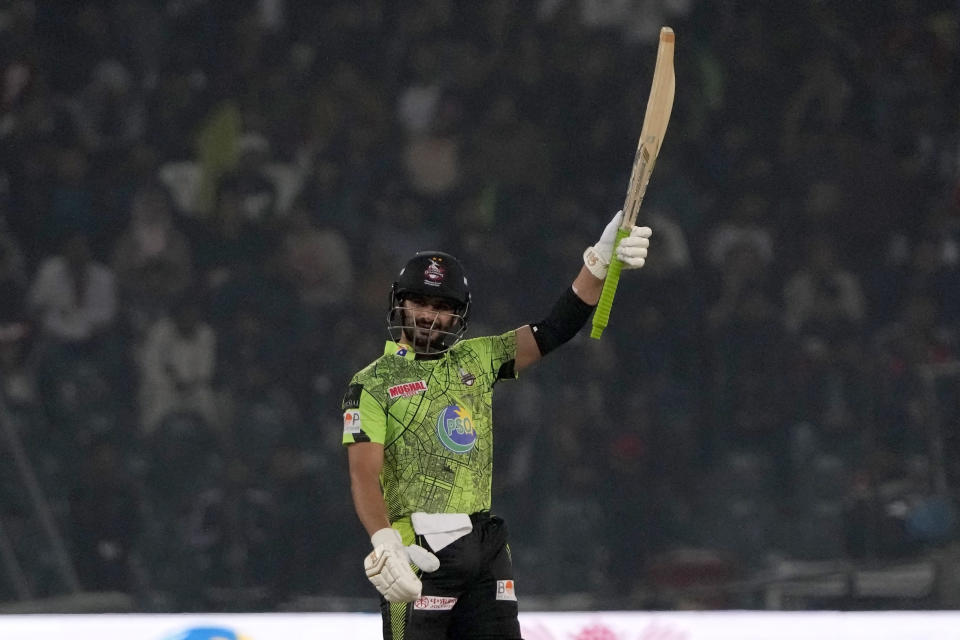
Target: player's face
[{"x": 428, "y": 319}]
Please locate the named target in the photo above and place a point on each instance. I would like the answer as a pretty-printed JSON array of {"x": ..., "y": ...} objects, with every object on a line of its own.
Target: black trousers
[{"x": 470, "y": 597}]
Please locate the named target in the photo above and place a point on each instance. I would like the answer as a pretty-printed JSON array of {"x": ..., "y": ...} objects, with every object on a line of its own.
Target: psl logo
[{"x": 455, "y": 429}]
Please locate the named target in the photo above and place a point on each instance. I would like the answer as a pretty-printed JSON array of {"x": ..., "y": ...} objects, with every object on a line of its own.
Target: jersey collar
[
  {"x": 402, "y": 350},
  {"x": 396, "y": 349}
]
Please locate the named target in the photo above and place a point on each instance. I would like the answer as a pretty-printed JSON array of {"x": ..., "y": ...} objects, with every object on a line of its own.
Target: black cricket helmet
[{"x": 433, "y": 274}]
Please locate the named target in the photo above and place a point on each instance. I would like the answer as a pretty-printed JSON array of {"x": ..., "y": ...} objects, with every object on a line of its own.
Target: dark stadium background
[{"x": 771, "y": 416}]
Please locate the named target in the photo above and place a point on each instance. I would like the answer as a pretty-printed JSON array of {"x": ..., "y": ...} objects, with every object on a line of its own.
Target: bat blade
[{"x": 655, "y": 121}]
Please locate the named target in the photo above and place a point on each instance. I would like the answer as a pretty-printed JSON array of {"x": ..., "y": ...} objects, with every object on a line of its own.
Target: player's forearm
[
  {"x": 366, "y": 460},
  {"x": 369, "y": 504},
  {"x": 587, "y": 286},
  {"x": 566, "y": 318}
]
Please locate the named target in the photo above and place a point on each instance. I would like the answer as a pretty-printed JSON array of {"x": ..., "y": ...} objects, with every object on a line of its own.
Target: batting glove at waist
[
  {"x": 389, "y": 569},
  {"x": 632, "y": 250}
]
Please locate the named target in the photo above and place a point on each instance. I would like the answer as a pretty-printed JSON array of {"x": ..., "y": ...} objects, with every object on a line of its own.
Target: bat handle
[{"x": 602, "y": 313}]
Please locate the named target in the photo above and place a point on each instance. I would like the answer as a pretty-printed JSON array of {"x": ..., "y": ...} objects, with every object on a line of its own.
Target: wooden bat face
[{"x": 655, "y": 120}]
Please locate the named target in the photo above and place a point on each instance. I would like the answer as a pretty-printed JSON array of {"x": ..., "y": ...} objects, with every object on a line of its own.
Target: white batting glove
[
  {"x": 632, "y": 250},
  {"x": 388, "y": 566}
]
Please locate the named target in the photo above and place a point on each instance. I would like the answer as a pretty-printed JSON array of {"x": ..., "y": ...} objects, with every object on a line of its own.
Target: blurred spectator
[
  {"x": 927, "y": 264},
  {"x": 110, "y": 112},
  {"x": 747, "y": 222},
  {"x": 178, "y": 365},
  {"x": 748, "y": 349},
  {"x": 903, "y": 352},
  {"x": 243, "y": 229},
  {"x": 16, "y": 330},
  {"x": 262, "y": 416},
  {"x": 316, "y": 260},
  {"x": 105, "y": 520},
  {"x": 419, "y": 100},
  {"x": 821, "y": 296},
  {"x": 309, "y": 504},
  {"x": 152, "y": 258},
  {"x": 672, "y": 257},
  {"x": 400, "y": 223},
  {"x": 73, "y": 297},
  {"x": 79, "y": 367},
  {"x": 819, "y": 106},
  {"x": 71, "y": 196},
  {"x": 432, "y": 157},
  {"x": 230, "y": 529},
  {"x": 248, "y": 190},
  {"x": 508, "y": 148}
]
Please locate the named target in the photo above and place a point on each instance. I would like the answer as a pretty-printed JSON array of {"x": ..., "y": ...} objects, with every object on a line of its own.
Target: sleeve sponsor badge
[
  {"x": 351, "y": 399},
  {"x": 351, "y": 421}
]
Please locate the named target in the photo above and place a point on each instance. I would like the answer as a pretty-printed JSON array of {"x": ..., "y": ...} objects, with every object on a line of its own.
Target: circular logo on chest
[{"x": 455, "y": 429}]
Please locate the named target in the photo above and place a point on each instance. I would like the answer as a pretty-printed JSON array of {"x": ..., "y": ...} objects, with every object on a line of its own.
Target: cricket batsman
[{"x": 417, "y": 424}]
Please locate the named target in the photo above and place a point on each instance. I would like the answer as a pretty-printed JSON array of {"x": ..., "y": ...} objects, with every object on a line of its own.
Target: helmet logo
[{"x": 433, "y": 275}]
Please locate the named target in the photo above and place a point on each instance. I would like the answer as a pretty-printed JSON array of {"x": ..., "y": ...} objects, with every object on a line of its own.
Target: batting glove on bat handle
[
  {"x": 597, "y": 257},
  {"x": 388, "y": 566},
  {"x": 631, "y": 250}
]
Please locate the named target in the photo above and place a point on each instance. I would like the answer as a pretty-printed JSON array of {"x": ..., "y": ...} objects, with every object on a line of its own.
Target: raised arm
[{"x": 575, "y": 305}]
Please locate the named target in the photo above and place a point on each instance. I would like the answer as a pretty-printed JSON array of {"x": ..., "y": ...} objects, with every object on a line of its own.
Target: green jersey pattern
[{"x": 435, "y": 420}]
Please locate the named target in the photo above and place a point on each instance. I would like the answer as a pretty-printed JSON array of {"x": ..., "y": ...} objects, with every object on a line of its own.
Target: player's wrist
[
  {"x": 596, "y": 262},
  {"x": 388, "y": 536}
]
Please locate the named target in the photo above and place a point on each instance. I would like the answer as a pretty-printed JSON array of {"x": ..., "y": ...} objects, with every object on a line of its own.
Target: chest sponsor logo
[
  {"x": 505, "y": 590},
  {"x": 351, "y": 421},
  {"x": 407, "y": 389},
  {"x": 455, "y": 429},
  {"x": 434, "y": 603}
]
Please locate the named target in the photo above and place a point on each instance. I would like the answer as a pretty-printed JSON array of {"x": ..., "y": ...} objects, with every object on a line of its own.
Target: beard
[{"x": 425, "y": 339}]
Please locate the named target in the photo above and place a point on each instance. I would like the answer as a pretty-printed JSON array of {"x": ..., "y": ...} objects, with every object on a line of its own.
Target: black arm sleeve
[{"x": 567, "y": 317}]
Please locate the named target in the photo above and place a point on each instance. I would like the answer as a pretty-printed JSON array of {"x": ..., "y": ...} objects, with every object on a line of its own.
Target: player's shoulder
[
  {"x": 371, "y": 372},
  {"x": 488, "y": 348},
  {"x": 369, "y": 379},
  {"x": 479, "y": 344},
  {"x": 483, "y": 342}
]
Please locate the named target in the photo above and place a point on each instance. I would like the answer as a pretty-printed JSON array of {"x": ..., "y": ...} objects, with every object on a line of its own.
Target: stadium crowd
[{"x": 202, "y": 204}]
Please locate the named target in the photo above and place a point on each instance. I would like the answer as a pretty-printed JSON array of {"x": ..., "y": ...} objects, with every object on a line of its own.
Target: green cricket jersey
[{"x": 434, "y": 418}]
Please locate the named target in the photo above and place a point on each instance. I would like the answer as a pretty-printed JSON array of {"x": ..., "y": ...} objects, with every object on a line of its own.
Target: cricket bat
[{"x": 655, "y": 120}]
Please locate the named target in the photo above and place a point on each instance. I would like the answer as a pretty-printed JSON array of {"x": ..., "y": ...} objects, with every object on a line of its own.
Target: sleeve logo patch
[
  {"x": 434, "y": 603},
  {"x": 505, "y": 590},
  {"x": 407, "y": 389},
  {"x": 351, "y": 422},
  {"x": 351, "y": 400}
]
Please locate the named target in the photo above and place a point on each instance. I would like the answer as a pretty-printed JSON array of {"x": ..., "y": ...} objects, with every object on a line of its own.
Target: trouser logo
[
  {"x": 505, "y": 590},
  {"x": 434, "y": 603}
]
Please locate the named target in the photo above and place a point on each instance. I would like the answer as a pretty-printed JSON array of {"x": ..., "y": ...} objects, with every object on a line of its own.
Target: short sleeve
[
  {"x": 503, "y": 355},
  {"x": 364, "y": 419}
]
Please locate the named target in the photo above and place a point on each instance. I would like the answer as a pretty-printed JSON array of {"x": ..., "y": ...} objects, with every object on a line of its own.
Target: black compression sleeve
[{"x": 566, "y": 318}]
